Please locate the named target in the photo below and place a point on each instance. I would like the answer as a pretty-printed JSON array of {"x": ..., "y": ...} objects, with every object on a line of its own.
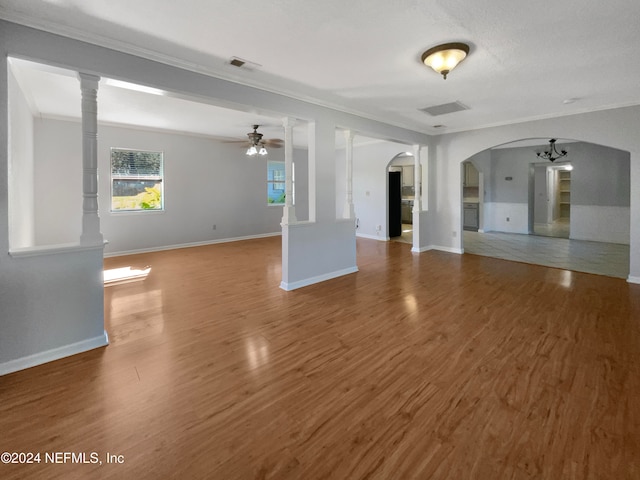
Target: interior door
[{"x": 395, "y": 204}]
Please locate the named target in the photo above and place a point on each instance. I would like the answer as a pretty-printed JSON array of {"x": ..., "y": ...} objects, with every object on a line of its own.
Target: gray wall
[
  {"x": 54, "y": 322},
  {"x": 205, "y": 183},
  {"x": 600, "y": 175},
  {"x": 540, "y": 194},
  {"x": 600, "y": 190},
  {"x": 514, "y": 163}
]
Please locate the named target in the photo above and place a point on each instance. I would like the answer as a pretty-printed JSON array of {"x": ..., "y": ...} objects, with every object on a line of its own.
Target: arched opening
[
  {"x": 572, "y": 213},
  {"x": 400, "y": 197}
]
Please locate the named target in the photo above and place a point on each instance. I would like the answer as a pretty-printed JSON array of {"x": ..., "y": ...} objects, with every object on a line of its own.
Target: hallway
[{"x": 610, "y": 259}]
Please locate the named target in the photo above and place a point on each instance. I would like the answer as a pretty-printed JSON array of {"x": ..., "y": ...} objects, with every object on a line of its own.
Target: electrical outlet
[
  {"x": 507, "y": 219},
  {"x": 378, "y": 228},
  {"x": 455, "y": 234},
  {"x": 214, "y": 226}
]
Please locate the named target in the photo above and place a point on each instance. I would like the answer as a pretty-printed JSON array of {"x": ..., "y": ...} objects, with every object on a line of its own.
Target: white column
[
  {"x": 417, "y": 179},
  {"x": 91, "y": 234},
  {"x": 349, "y": 211},
  {"x": 289, "y": 211}
]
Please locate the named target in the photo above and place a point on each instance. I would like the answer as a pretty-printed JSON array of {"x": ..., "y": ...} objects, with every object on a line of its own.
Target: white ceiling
[
  {"x": 363, "y": 56},
  {"x": 54, "y": 93}
]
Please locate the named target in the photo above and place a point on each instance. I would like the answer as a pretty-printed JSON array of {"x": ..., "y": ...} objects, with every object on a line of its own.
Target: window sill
[{"x": 135, "y": 212}]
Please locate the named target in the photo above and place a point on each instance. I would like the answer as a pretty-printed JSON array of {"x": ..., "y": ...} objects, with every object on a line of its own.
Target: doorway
[
  {"x": 551, "y": 201},
  {"x": 401, "y": 195},
  {"x": 395, "y": 204}
]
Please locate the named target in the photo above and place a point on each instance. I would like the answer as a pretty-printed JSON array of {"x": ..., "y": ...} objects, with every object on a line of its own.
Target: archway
[
  {"x": 596, "y": 208},
  {"x": 400, "y": 173}
]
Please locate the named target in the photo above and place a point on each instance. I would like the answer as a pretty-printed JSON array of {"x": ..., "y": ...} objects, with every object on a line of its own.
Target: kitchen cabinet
[
  {"x": 471, "y": 175},
  {"x": 407, "y": 176},
  {"x": 407, "y": 211},
  {"x": 471, "y": 218}
]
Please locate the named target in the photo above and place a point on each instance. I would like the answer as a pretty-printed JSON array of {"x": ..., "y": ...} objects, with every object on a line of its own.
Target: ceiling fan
[{"x": 257, "y": 146}]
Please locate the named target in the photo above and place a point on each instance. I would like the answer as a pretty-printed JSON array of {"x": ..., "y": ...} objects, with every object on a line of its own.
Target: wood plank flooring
[{"x": 430, "y": 366}]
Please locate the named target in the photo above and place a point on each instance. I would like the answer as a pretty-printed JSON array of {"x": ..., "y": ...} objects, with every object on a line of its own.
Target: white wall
[
  {"x": 597, "y": 223},
  {"x": 206, "y": 182},
  {"x": 58, "y": 178},
  {"x": 370, "y": 187},
  {"x": 21, "y": 168}
]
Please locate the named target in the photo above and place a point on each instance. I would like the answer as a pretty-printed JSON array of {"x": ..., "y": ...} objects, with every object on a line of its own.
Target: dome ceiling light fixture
[
  {"x": 552, "y": 154},
  {"x": 444, "y": 58}
]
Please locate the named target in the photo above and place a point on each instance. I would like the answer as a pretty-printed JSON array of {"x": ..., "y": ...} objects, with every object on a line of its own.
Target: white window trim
[
  {"x": 293, "y": 183},
  {"x": 161, "y": 177}
]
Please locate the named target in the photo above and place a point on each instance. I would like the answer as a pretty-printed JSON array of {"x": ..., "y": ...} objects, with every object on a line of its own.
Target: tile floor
[
  {"x": 559, "y": 228},
  {"x": 407, "y": 234},
  {"x": 608, "y": 259}
]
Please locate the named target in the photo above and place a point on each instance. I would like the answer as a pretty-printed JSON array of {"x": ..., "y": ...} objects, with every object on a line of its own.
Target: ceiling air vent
[
  {"x": 244, "y": 64},
  {"x": 444, "y": 108}
]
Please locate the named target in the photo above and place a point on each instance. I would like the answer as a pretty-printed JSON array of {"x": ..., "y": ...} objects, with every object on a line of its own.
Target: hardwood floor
[{"x": 430, "y": 366}]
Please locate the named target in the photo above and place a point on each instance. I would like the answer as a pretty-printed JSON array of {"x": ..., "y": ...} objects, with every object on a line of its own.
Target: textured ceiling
[{"x": 528, "y": 60}]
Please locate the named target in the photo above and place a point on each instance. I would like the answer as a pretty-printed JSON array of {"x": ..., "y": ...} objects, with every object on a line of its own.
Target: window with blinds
[{"x": 136, "y": 180}]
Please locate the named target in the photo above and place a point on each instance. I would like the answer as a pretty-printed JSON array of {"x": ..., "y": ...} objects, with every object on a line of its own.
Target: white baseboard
[
  {"x": 631, "y": 279},
  {"x": 54, "y": 354},
  {"x": 421, "y": 249},
  {"x": 317, "y": 279},
  {"x": 372, "y": 237},
  {"x": 446, "y": 249},
  {"x": 189, "y": 245}
]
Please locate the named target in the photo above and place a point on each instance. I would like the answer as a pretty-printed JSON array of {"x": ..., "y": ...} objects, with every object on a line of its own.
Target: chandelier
[{"x": 552, "y": 154}]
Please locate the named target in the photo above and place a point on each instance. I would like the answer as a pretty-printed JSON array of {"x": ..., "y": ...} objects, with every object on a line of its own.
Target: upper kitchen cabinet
[
  {"x": 471, "y": 175},
  {"x": 407, "y": 176}
]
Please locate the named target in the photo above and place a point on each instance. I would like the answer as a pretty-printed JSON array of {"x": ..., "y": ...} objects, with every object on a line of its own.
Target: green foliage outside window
[{"x": 136, "y": 180}]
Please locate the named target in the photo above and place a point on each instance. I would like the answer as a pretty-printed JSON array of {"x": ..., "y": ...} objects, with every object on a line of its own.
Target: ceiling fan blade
[{"x": 274, "y": 143}]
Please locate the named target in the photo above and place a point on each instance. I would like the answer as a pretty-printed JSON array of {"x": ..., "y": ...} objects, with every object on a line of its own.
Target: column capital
[
  {"x": 88, "y": 80},
  {"x": 288, "y": 122},
  {"x": 348, "y": 135}
]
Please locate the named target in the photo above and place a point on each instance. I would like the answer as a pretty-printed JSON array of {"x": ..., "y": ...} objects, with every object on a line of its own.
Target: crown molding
[
  {"x": 536, "y": 118},
  {"x": 148, "y": 54}
]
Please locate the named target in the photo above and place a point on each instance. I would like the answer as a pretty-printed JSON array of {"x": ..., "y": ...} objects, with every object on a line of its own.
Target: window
[
  {"x": 136, "y": 180},
  {"x": 276, "y": 183}
]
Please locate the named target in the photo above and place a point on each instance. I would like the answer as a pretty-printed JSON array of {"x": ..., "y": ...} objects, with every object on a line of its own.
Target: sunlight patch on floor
[{"x": 117, "y": 276}]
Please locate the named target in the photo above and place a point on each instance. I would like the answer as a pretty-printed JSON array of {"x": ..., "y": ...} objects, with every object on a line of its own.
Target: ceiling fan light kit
[
  {"x": 256, "y": 142},
  {"x": 444, "y": 58}
]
